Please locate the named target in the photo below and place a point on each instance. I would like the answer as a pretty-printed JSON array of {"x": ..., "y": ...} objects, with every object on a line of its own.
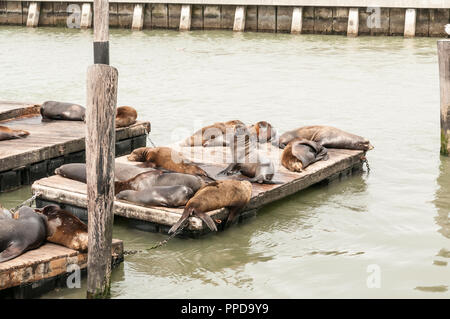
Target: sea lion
[
  {"x": 300, "y": 153},
  {"x": 166, "y": 158},
  {"x": 264, "y": 132},
  {"x": 228, "y": 193},
  {"x": 4, "y": 213},
  {"x": 54, "y": 110},
  {"x": 212, "y": 135},
  {"x": 167, "y": 196},
  {"x": 7, "y": 133},
  {"x": 125, "y": 116},
  {"x": 147, "y": 180},
  {"x": 26, "y": 231},
  {"x": 247, "y": 160},
  {"x": 77, "y": 171},
  {"x": 65, "y": 229},
  {"x": 327, "y": 136}
]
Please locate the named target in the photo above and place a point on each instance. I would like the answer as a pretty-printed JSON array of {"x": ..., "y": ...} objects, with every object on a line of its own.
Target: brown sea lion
[
  {"x": 65, "y": 229},
  {"x": 212, "y": 135},
  {"x": 327, "y": 136},
  {"x": 147, "y": 180},
  {"x": 167, "y": 196},
  {"x": 264, "y": 131},
  {"x": 125, "y": 116},
  {"x": 299, "y": 153},
  {"x": 77, "y": 171},
  {"x": 167, "y": 158},
  {"x": 54, "y": 110},
  {"x": 247, "y": 160},
  {"x": 28, "y": 230},
  {"x": 7, "y": 133},
  {"x": 228, "y": 193}
]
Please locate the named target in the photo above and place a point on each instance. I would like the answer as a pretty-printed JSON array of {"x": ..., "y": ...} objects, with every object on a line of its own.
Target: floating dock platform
[
  {"x": 71, "y": 194},
  {"x": 50, "y": 144},
  {"x": 40, "y": 270}
]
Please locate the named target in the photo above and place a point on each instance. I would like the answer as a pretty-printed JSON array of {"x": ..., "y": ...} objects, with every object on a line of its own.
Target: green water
[{"x": 324, "y": 242}]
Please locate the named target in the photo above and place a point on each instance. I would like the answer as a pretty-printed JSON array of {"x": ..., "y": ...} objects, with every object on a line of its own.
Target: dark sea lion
[
  {"x": 247, "y": 160},
  {"x": 65, "y": 229},
  {"x": 212, "y": 135},
  {"x": 167, "y": 196},
  {"x": 166, "y": 158},
  {"x": 54, "y": 110},
  {"x": 27, "y": 230},
  {"x": 151, "y": 179},
  {"x": 264, "y": 132},
  {"x": 299, "y": 153},
  {"x": 7, "y": 133},
  {"x": 125, "y": 116},
  {"x": 328, "y": 136},
  {"x": 229, "y": 193},
  {"x": 77, "y": 171}
]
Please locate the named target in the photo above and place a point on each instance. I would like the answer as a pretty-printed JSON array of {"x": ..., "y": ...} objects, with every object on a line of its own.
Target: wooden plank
[
  {"x": 197, "y": 17},
  {"x": 444, "y": 80},
  {"x": 64, "y": 191},
  {"x": 284, "y": 19},
  {"x": 160, "y": 15},
  {"x": 340, "y": 20},
  {"x": 251, "y": 18},
  {"x": 174, "y": 15},
  {"x": 227, "y": 17},
  {"x": 48, "y": 261},
  {"x": 211, "y": 17},
  {"x": 267, "y": 18},
  {"x": 52, "y": 139},
  {"x": 323, "y": 20}
]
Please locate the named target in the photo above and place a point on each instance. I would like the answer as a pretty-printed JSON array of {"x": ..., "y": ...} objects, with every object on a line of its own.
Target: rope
[
  {"x": 366, "y": 161},
  {"x": 150, "y": 140},
  {"x": 28, "y": 202},
  {"x": 161, "y": 243}
]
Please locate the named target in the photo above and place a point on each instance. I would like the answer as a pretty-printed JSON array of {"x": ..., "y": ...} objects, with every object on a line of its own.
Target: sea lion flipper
[
  {"x": 12, "y": 251},
  {"x": 207, "y": 219},
  {"x": 182, "y": 220},
  {"x": 229, "y": 170}
]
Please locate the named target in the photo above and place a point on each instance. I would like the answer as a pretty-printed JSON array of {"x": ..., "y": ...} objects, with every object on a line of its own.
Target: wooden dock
[
  {"x": 72, "y": 194},
  {"x": 41, "y": 270},
  {"x": 50, "y": 144}
]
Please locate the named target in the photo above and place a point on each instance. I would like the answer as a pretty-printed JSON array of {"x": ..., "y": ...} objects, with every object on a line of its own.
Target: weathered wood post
[
  {"x": 444, "y": 79},
  {"x": 100, "y": 148}
]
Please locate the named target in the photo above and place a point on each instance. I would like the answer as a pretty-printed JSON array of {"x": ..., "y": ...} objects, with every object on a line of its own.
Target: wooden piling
[
  {"x": 185, "y": 17},
  {"x": 86, "y": 16},
  {"x": 100, "y": 149},
  {"x": 353, "y": 22},
  {"x": 410, "y": 23},
  {"x": 239, "y": 19},
  {"x": 138, "y": 17},
  {"x": 444, "y": 79},
  {"x": 297, "y": 20},
  {"x": 33, "y": 14}
]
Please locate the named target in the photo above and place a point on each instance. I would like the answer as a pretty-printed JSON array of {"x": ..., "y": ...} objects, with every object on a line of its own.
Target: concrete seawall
[{"x": 407, "y": 18}]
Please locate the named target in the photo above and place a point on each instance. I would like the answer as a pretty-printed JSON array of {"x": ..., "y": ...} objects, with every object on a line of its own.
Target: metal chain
[
  {"x": 161, "y": 243},
  {"x": 366, "y": 161},
  {"x": 150, "y": 140},
  {"x": 27, "y": 202}
]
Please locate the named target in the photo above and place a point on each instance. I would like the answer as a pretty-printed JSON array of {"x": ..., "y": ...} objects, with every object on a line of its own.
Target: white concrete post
[
  {"x": 138, "y": 17},
  {"x": 239, "y": 19},
  {"x": 410, "y": 23},
  {"x": 353, "y": 22},
  {"x": 33, "y": 14},
  {"x": 185, "y": 17},
  {"x": 86, "y": 16},
  {"x": 297, "y": 20}
]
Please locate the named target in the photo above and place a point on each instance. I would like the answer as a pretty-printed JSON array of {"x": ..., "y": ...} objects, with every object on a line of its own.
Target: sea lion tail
[
  {"x": 186, "y": 213},
  {"x": 208, "y": 220},
  {"x": 12, "y": 251}
]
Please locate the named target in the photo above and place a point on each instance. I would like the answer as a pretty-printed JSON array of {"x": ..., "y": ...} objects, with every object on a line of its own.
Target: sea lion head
[
  {"x": 285, "y": 139},
  {"x": 142, "y": 154},
  {"x": 265, "y": 132},
  {"x": 127, "y": 195},
  {"x": 364, "y": 145}
]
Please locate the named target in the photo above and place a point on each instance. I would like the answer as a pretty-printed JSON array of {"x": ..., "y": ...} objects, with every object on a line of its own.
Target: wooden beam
[
  {"x": 33, "y": 14},
  {"x": 138, "y": 17},
  {"x": 444, "y": 79},
  {"x": 353, "y": 22},
  {"x": 101, "y": 32},
  {"x": 410, "y": 23},
  {"x": 297, "y": 20},
  {"x": 100, "y": 149},
  {"x": 239, "y": 19},
  {"x": 185, "y": 17},
  {"x": 86, "y": 16}
]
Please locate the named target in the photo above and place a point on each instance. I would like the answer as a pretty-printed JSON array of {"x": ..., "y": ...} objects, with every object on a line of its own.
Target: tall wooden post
[
  {"x": 444, "y": 79},
  {"x": 100, "y": 149}
]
